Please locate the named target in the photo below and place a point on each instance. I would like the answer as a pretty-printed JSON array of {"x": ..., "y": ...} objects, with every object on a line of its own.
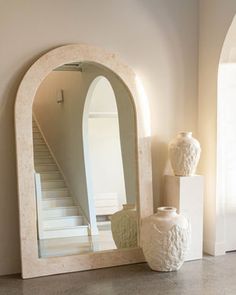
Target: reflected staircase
[{"x": 60, "y": 217}]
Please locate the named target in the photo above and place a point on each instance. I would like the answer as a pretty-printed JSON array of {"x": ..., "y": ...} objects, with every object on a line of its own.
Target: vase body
[
  {"x": 184, "y": 153},
  {"x": 165, "y": 239},
  {"x": 124, "y": 227}
]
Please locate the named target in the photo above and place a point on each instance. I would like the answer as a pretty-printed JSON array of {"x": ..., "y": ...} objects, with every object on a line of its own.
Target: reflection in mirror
[{"x": 85, "y": 158}]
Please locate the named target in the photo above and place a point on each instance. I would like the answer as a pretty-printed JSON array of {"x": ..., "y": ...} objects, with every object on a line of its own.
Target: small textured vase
[
  {"x": 124, "y": 227},
  {"x": 165, "y": 239},
  {"x": 184, "y": 153}
]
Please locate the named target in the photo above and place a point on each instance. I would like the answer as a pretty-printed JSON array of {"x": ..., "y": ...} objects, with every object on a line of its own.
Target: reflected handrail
[{"x": 38, "y": 194}]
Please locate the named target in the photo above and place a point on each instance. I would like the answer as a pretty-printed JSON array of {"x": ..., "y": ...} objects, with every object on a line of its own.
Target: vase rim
[
  {"x": 128, "y": 206},
  {"x": 186, "y": 133},
  {"x": 166, "y": 209}
]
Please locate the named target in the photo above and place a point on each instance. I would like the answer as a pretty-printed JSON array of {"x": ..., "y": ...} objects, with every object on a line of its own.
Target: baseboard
[{"x": 212, "y": 248}]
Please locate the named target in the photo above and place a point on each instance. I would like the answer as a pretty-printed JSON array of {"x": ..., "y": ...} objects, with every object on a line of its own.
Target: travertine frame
[{"x": 32, "y": 265}]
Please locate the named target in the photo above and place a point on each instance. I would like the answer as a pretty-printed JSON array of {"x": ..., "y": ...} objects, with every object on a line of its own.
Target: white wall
[
  {"x": 157, "y": 38},
  {"x": 215, "y": 19}
]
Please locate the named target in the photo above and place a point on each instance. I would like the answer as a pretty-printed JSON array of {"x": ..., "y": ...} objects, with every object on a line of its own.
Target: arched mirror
[{"x": 83, "y": 159}]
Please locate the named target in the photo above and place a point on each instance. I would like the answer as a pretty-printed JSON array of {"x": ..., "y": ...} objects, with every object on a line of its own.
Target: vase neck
[
  {"x": 128, "y": 206},
  {"x": 185, "y": 134},
  {"x": 166, "y": 211}
]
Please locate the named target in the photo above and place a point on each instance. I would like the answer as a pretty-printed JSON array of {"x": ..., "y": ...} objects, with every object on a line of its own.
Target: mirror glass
[{"x": 85, "y": 160}]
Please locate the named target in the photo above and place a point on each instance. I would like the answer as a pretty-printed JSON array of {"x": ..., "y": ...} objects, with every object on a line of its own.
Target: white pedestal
[{"x": 186, "y": 194}]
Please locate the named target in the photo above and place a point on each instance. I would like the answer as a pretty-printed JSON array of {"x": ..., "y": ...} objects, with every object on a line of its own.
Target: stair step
[
  {"x": 51, "y": 175},
  {"x": 60, "y": 212},
  {"x": 44, "y": 155},
  {"x": 44, "y": 161},
  {"x": 38, "y": 141},
  {"x": 52, "y": 184},
  {"x": 60, "y": 215},
  {"x": 37, "y": 134},
  {"x": 43, "y": 144},
  {"x": 57, "y": 202},
  {"x": 64, "y": 232},
  {"x": 40, "y": 148},
  {"x": 44, "y": 152},
  {"x": 45, "y": 167},
  {"x": 55, "y": 193},
  {"x": 66, "y": 221}
]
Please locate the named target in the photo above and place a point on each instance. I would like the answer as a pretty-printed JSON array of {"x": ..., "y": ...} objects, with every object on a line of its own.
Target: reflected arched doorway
[{"x": 103, "y": 156}]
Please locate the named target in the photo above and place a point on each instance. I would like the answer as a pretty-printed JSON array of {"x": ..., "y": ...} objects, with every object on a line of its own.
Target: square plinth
[{"x": 186, "y": 194}]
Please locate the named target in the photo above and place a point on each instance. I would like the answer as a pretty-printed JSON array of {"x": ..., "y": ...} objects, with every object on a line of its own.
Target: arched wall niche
[
  {"x": 213, "y": 34},
  {"x": 32, "y": 265},
  {"x": 225, "y": 139}
]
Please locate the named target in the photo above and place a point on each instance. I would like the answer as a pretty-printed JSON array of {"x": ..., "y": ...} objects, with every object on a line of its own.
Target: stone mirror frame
[{"x": 32, "y": 265}]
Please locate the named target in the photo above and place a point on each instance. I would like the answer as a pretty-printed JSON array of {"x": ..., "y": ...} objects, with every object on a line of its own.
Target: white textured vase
[
  {"x": 165, "y": 239},
  {"x": 184, "y": 153},
  {"x": 124, "y": 227}
]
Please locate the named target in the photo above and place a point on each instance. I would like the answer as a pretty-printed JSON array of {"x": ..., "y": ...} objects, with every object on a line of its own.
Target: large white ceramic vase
[
  {"x": 165, "y": 239},
  {"x": 184, "y": 153},
  {"x": 124, "y": 225}
]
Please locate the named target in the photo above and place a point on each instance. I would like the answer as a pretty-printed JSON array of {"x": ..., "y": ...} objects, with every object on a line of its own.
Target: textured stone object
[
  {"x": 124, "y": 227},
  {"x": 184, "y": 153},
  {"x": 165, "y": 239}
]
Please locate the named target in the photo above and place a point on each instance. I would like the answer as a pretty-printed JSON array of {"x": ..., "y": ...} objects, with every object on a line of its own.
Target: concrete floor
[{"x": 210, "y": 276}]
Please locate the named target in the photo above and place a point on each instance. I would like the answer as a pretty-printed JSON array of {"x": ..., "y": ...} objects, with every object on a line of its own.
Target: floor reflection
[{"x": 76, "y": 245}]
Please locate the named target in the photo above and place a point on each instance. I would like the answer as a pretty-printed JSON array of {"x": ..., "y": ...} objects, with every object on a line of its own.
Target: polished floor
[{"x": 210, "y": 276}]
